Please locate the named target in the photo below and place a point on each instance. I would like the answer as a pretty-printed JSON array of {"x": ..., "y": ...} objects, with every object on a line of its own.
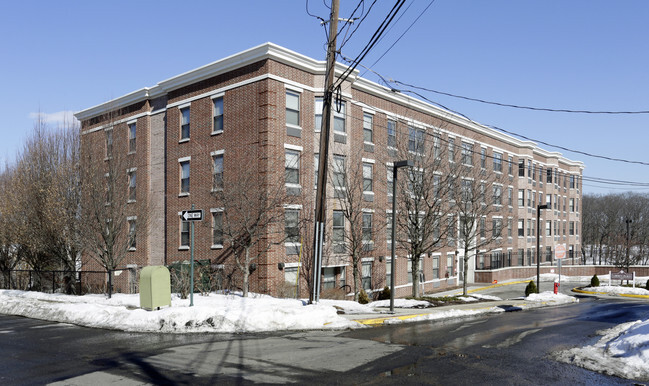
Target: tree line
[{"x": 616, "y": 229}]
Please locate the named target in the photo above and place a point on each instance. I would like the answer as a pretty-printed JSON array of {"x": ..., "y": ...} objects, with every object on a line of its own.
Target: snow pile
[
  {"x": 213, "y": 313},
  {"x": 617, "y": 290},
  {"x": 622, "y": 351},
  {"x": 551, "y": 297},
  {"x": 402, "y": 303}
]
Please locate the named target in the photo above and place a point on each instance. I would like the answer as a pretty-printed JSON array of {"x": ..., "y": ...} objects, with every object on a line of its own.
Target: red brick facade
[{"x": 255, "y": 136}]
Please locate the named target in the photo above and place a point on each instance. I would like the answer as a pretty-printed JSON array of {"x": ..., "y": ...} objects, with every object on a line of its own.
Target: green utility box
[{"x": 155, "y": 287}]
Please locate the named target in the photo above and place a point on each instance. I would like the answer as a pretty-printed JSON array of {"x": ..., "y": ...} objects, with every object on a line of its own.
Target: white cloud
[{"x": 57, "y": 118}]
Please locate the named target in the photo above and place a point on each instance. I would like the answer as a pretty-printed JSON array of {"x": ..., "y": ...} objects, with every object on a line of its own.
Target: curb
[{"x": 576, "y": 289}]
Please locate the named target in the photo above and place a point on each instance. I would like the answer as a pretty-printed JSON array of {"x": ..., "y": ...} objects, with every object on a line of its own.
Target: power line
[{"x": 520, "y": 106}]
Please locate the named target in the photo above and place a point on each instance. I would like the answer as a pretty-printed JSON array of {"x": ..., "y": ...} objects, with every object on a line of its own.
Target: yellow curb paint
[
  {"x": 610, "y": 294},
  {"x": 382, "y": 320}
]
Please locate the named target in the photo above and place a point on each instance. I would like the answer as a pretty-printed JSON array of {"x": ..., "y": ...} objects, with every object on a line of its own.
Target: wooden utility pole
[{"x": 321, "y": 191}]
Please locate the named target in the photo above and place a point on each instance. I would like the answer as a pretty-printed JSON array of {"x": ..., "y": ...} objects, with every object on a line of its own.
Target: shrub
[
  {"x": 385, "y": 294},
  {"x": 363, "y": 298},
  {"x": 333, "y": 293},
  {"x": 594, "y": 281},
  {"x": 530, "y": 289},
  {"x": 646, "y": 286}
]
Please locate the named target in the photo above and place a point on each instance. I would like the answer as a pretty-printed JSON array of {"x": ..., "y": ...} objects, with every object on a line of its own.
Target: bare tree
[
  {"x": 477, "y": 197},
  {"x": 113, "y": 210},
  {"x": 353, "y": 186},
  {"x": 422, "y": 191},
  {"x": 253, "y": 215}
]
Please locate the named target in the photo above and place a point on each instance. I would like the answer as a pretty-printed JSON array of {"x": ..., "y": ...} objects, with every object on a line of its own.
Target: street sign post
[
  {"x": 191, "y": 216},
  {"x": 559, "y": 255}
]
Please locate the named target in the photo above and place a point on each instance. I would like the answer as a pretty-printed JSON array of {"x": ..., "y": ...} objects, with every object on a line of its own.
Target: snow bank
[
  {"x": 617, "y": 290},
  {"x": 622, "y": 351},
  {"x": 213, "y": 313}
]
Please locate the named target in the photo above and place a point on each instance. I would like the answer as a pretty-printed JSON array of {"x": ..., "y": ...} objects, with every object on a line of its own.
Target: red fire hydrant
[{"x": 556, "y": 287}]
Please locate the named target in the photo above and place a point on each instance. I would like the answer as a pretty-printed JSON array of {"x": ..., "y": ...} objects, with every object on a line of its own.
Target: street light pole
[
  {"x": 538, "y": 246},
  {"x": 397, "y": 165}
]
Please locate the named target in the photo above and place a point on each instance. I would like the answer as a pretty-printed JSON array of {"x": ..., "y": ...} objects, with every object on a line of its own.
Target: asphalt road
[{"x": 509, "y": 348}]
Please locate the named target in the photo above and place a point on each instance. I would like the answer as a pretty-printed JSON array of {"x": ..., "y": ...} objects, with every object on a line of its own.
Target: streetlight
[
  {"x": 538, "y": 247},
  {"x": 397, "y": 165}
]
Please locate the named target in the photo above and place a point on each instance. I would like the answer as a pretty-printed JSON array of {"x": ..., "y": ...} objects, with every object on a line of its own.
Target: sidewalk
[{"x": 441, "y": 312}]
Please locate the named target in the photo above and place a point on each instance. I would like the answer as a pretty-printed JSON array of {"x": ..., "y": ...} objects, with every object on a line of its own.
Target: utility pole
[{"x": 321, "y": 191}]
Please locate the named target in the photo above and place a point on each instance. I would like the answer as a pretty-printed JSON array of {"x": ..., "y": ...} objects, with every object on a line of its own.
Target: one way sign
[{"x": 192, "y": 215}]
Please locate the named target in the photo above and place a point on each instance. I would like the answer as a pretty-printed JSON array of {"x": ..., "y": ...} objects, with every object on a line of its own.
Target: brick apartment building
[{"x": 258, "y": 112}]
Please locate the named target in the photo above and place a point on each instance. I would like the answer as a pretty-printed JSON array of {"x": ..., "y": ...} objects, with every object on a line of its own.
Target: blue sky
[{"x": 583, "y": 55}]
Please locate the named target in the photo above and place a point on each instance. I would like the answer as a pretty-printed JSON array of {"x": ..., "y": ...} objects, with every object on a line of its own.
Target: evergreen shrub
[
  {"x": 594, "y": 281},
  {"x": 530, "y": 289}
]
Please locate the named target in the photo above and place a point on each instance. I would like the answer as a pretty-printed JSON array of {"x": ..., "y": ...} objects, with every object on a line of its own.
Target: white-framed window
[
  {"x": 217, "y": 171},
  {"x": 366, "y": 269},
  {"x": 292, "y": 108},
  {"x": 521, "y": 198},
  {"x": 292, "y": 166},
  {"x": 132, "y": 135},
  {"x": 109, "y": 143},
  {"x": 291, "y": 225},
  {"x": 483, "y": 158},
  {"x": 184, "y": 176},
  {"x": 392, "y": 133},
  {"x": 548, "y": 228},
  {"x": 367, "y": 228},
  {"x": 328, "y": 277},
  {"x": 467, "y": 153},
  {"x": 132, "y": 184},
  {"x": 184, "y": 123},
  {"x": 498, "y": 162},
  {"x": 217, "y": 115},
  {"x": 184, "y": 233},
  {"x": 451, "y": 150},
  {"x": 435, "y": 266},
  {"x": 339, "y": 174},
  {"x": 368, "y": 128},
  {"x": 132, "y": 233},
  {"x": 340, "y": 117},
  {"x": 437, "y": 146},
  {"x": 388, "y": 229},
  {"x": 367, "y": 177},
  {"x": 521, "y": 227},
  {"x": 390, "y": 180},
  {"x": 318, "y": 113},
  {"x": 217, "y": 228},
  {"x": 415, "y": 140},
  {"x": 338, "y": 236},
  {"x": 498, "y": 195}
]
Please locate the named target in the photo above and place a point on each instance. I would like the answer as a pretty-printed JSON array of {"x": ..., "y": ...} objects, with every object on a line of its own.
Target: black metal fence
[
  {"x": 68, "y": 282},
  {"x": 521, "y": 258}
]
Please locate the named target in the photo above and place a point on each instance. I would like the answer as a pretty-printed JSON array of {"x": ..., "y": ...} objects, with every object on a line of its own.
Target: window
[
  {"x": 452, "y": 232},
  {"x": 390, "y": 184},
  {"x": 498, "y": 195},
  {"x": 290, "y": 276},
  {"x": 218, "y": 115},
  {"x": 521, "y": 228},
  {"x": 368, "y": 124},
  {"x": 572, "y": 228},
  {"x": 184, "y": 123},
  {"x": 388, "y": 271},
  {"x": 521, "y": 198},
  {"x": 435, "y": 267},
  {"x": 291, "y": 227},
  {"x": 451, "y": 150},
  {"x": 509, "y": 227},
  {"x": 449, "y": 264},
  {"x": 483, "y": 227},
  {"x": 132, "y": 234},
  {"x": 415, "y": 140},
  {"x": 549, "y": 176},
  {"x": 340, "y": 115},
  {"x": 521, "y": 168},
  {"x": 572, "y": 182},
  {"x": 367, "y": 275},
  {"x": 437, "y": 147},
  {"x": 338, "y": 236},
  {"x": 217, "y": 172},
  {"x": 510, "y": 196},
  {"x": 184, "y": 177},
  {"x": 483, "y": 158},
  {"x": 217, "y": 228},
  {"x": 534, "y": 172},
  {"x": 548, "y": 228},
  {"x": 392, "y": 133},
  {"x": 184, "y": 233},
  {"x": 467, "y": 190},
  {"x": 367, "y": 177},
  {"x": 409, "y": 271},
  {"x": 529, "y": 168},
  {"x": 318, "y": 113},
  {"x": 292, "y": 108},
  {"x": 328, "y": 277},
  {"x": 292, "y": 167},
  {"x": 498, "y": 162},
  {"x": 109, "y": 143},
  {"x": 529, "y": 198},
  {"x": 388, "y": 229},
  {"x": 132, "y": 133},
  {"x": 437, "y": 180},
  {"x": 339, "y": 174},
  {"x": 467, "y": 153},
  {"x": 510, "y": 165},
  {"x": 131, "y": 185},
  {"x": 367, "y": 228}
]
